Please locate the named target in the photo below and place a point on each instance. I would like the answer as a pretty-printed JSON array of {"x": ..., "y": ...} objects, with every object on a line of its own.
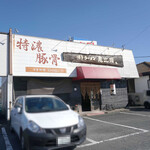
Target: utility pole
[{"x": 9, "y": 77}]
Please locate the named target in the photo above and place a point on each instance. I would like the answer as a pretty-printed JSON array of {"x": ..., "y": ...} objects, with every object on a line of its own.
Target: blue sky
[{"x": 110, "y": 22}]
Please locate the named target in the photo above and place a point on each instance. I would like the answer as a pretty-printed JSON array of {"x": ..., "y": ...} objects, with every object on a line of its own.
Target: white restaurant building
[{"x": 89, "y": 76}]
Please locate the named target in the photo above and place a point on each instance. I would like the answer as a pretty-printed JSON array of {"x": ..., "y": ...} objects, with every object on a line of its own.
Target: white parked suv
[{"x": 46, "y": 122}]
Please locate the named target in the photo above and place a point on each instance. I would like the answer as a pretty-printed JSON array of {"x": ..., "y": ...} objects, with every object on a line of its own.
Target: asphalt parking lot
[{"x": 125, "y": 130}]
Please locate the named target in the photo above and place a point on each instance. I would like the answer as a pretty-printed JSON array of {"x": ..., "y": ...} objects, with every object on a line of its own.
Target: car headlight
[
  {"x": 32, "y": 126},
  {"x": 81, "y": 122}
]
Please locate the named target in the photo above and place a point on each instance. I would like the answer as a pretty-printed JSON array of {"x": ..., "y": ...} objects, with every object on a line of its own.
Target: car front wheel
[
  {"x": 24, "y": 143},
  {"x": 72, "y": 148},
  {"x": 146, "y": 105},
  {"x": 10, "y": 126}
]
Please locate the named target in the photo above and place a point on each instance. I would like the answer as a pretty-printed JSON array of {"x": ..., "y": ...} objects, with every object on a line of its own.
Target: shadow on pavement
[
  {"x": 138, "y": 108},
  {"x": 2, "y": 120}
]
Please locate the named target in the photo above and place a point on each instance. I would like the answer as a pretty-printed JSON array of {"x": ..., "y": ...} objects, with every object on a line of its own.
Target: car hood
[{"x": 54, "y": 119}]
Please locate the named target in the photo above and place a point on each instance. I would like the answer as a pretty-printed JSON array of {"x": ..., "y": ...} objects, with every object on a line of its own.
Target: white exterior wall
[
  {"x": 23, "y": 58},
  {"x": 141, "y": 84},
  {"x": 3, "y": 54},
  {"x": 129, "y": 70}
]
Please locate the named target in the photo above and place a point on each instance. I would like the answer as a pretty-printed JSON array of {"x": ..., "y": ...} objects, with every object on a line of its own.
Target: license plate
[{"x": 63, "y": 140}]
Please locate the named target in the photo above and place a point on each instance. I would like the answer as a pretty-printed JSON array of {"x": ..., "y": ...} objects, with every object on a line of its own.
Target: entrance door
[{"x": 90, "y": 92}]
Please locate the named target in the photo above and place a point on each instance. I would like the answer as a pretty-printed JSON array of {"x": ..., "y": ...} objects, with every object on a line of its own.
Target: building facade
[
  {"x": 143, "y": 83},
  {"x": 86, "y": 76},
  {"x": 139, "y": 88}
]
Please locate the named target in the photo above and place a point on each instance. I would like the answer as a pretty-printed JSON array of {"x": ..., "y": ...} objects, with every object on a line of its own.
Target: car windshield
[{"x": 44, "y": 104}]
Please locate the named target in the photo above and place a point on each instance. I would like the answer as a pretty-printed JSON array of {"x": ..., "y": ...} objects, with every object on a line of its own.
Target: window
[
  {"x": 16, "y": 103},
  {"x": 44, "y": 104},
  {"x": 19, "y": 102}
]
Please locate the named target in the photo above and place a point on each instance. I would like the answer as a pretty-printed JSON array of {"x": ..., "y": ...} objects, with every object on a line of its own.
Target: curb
[
  {"x": 116, "y": 110},
  {"x": 103, "y": 112}
]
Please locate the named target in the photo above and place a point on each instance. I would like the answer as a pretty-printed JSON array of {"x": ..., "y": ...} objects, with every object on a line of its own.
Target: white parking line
[
  {"x": 135, "y": 114},
  {"x": 125, "y": 126},
  {"x": 7, "y": 143},
  {"x": 115, "y": 138},
  {"x": 89, "y": 144},
  {"x": 123, "y": 136},
  {"x": 90, "y": 140},
  {"x": 111, "y": 139}
]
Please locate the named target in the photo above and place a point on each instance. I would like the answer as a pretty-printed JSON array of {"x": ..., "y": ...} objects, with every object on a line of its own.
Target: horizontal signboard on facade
[
  {"x": 110, "y": 60},
  {"x": 34, "y": 56},
  {"x": 48, "y": 70}
]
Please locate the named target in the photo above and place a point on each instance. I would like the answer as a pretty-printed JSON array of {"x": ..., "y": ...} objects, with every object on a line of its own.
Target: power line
[
  {"x": 132, "y": 39},
  {"x": 139, "y": 34}
]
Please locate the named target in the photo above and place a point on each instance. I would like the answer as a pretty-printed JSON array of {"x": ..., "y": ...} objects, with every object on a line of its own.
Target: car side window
[
  {"x": 19, "y": 102},
  {"x": 16, "y": 103}
]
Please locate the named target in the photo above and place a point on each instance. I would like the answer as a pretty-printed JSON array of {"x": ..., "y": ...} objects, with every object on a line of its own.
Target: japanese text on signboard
[{"x": 41, "y": 56}]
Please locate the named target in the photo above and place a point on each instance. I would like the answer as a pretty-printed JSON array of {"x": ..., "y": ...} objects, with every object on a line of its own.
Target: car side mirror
[{"x": 19, "y": 110}]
